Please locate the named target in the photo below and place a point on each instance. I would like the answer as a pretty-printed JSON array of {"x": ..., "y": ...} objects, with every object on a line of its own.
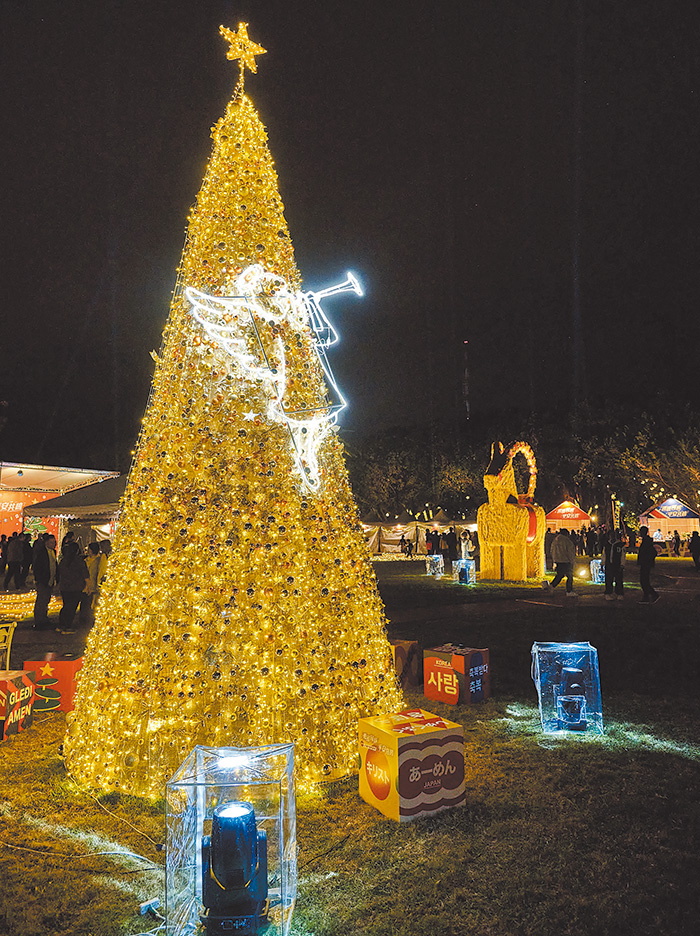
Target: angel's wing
[{"x": 227, "y": 320}]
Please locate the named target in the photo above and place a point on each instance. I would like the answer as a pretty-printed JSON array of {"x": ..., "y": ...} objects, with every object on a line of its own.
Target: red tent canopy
[{"x": 568, "y": 515}]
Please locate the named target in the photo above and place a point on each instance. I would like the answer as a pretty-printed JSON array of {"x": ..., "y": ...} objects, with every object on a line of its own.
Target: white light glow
[
  {"x": 234, "y": 810},
  {"x": 232, "y": 762},
  {"x": 232, "y": 325}
]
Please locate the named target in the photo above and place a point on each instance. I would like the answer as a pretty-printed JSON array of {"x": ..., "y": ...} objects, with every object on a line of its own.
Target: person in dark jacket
[
  {"x": 15, "y": 554},
  {"x": 44, "y": 567},
  {"x": 26, "y": 559},
  {"x": 73, "y": 577},
  {"x": 614, "y": 562},
  {"x": 646, "y": 557},
  {"x": 451, "y": 540},
  {"x": 694, "y": 547}
]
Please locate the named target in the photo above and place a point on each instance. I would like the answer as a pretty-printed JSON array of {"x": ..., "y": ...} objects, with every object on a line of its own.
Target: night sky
[{"x": 521, "y": 175}]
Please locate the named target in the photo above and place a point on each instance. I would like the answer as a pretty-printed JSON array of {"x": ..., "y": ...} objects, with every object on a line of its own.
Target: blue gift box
[{"x": 568, "y": 687}]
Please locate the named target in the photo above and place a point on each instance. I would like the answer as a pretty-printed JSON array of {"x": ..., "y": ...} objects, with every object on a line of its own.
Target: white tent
[{"x": 385, "y": 537}]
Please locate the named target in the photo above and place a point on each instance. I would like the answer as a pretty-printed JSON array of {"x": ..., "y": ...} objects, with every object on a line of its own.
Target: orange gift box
[
  {"x": 411, "y": 764},
  {"x": 453, "y": 673}
]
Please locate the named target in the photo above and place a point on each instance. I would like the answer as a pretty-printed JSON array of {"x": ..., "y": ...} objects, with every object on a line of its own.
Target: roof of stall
[
  {"x": 96, "y": 502},
  {"x": 671, "y": 509},
  {"x": 15, "y": 476},
  {"x": 568, "y": 511}
]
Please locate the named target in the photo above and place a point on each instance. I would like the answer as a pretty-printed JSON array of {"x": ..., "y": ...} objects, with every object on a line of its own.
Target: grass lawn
[{"x": 559, "y": 837}]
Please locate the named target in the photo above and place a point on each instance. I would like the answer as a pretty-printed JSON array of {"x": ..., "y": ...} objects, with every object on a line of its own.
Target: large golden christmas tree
[{"x": 240, "y": 607}]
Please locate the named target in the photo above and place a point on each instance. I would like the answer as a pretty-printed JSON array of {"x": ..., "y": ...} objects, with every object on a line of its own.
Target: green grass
[{"x": 559, "y": 837}]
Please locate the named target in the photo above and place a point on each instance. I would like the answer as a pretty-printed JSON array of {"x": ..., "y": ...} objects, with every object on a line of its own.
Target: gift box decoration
[
  {"x": 568, "y": 687},
  {"x": 464, "y": 571},
  {"x": 434, "y": 565},
  {"x": 16, "y": 701},
  {"x": 408, "y": 662},
  {"x": 55, "y": 684},
  {"x": 411, "y": 763},
  {"x": 453, "y": 673}
]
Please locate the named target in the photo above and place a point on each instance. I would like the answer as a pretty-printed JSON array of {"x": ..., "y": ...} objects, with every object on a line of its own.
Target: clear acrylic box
[
  {"x": 568, "y": 687},
  {"x": 231, "y": 842}
]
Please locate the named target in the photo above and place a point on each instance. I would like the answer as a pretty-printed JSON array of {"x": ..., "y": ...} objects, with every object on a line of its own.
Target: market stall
[
  {"x": 89, "y": 511},
  {"x": 568, "y": 516},
  {"x": 23, "y": 486},
  {"x": 671, "y": 515}
]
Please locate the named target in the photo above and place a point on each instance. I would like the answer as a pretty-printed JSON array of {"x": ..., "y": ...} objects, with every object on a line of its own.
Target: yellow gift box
[{"x": 411, "y": 763}]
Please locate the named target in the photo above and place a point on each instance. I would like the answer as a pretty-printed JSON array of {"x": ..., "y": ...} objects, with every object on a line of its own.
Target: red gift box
[
  {"x": 452, "y": 674},
  {"x": 55, "y": 684},
  {"x": 16, "y": 698}
]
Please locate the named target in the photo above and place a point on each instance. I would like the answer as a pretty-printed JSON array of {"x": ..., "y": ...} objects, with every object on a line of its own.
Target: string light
[
  {"x": 19, "y": 606},
  {"x": 240, "y": 607}
]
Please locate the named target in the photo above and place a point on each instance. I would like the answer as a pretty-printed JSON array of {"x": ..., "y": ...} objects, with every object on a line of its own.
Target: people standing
[
  {"x": 548, "y": 540},
  {"x": 591, "y": 540},
  {"x": 451, "y": 541},
  {"x": 3, "y": 553},
  {"x": 676, "y": 543},
  {"x": 26, "y": 559},
  {"x": 15, "y": 555},
  {"x": 476, "y": 550},
  {"x": 563, "y": 556},
  {"x": 646, "y": 557},
  {"x": 44, "y": 567},
  {"x": 694, "y": 547},
  {"x": 614, "y": 563},
  {"x": 105, "y": 553},
  {"x": 72, "y": 580},
  {"x": 600, "y": 539},
  {"x": 88, "y": 600}
]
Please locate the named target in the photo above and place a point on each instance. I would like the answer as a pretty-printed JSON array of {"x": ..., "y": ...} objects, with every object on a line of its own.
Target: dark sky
[{"x": 523, "y": 175}]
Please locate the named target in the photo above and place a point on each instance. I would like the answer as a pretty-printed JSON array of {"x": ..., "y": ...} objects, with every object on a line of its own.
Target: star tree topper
[{"x": 243, "y": 48}]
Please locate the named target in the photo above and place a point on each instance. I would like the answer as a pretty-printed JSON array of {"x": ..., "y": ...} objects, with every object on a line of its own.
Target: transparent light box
[
  {"x": 568, "y": 687},
  {"x": 231, "y": 842},
  {"x": 464, "y": 571},
  {"x": 434, "y": 565}
]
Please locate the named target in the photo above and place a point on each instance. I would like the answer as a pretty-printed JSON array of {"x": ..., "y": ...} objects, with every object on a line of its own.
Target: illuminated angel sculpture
[{"x": 248, "y": 327}]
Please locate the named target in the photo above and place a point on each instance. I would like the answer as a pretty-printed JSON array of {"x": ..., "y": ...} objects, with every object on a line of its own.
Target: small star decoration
[{"x": 242, "y": 47}]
